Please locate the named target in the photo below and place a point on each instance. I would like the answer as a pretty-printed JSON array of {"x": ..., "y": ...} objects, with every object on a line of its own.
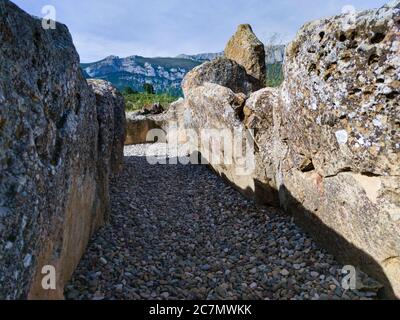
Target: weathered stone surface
[
  {"x": 110, "y": 107},
  {"x": 50, "y": 187},
  {"x": 259, "y": 112},
  {"x": 248, "y": 51},
  {"x": 340, "y": 111},
  {"x": 345, "y": 71},
  {"x": 327, "y": 141},
  {"x": 215, "y": 108},
  {"x": 223, "y": 72},
  {"x": 171, "y": 122},
  {"x": 138, "y": 126},
  {"x": 112, "y": 121}
]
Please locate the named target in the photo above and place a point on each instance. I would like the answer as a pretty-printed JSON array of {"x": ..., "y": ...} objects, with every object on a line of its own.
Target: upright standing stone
[{"x": 247, "y": 50}]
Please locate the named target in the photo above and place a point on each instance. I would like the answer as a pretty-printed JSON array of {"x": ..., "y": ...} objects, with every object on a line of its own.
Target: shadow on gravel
[
  {"x": 344, "y": 251},
  {"x": 337, "y": 245}
]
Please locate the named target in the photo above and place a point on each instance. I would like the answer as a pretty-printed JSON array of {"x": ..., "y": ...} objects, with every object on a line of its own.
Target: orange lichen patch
[
  {"x": 395, "y": 84},
  {"x": 318, "y": 182}
]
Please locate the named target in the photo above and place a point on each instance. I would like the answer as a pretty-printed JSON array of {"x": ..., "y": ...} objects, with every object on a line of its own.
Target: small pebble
[
  {"x": 165, "y": 295},
  {"x": 253, "y": 285},
  {"x": 285, "y": 272}
]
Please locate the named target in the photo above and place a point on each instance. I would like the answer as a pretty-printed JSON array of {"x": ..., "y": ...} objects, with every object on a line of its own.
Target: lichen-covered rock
[
  {"x": 50, "y": 198},
  {"x": 216, "y": 114},
  {"x": 344, "y": 92},
  {"x": 327, "y": 141},
  {"x": 259, "y": 113},
  {"x": 223, "y": 72},
  {"x": 210, "y": 107},
  {"x": 339, "y": 125},
  {"x": 248, "y": 51}
]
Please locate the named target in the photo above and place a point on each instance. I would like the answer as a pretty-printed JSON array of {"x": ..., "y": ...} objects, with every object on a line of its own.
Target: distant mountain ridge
[
  {"x": 166, "y": 74},
  {"x": 202, "y": 57}
]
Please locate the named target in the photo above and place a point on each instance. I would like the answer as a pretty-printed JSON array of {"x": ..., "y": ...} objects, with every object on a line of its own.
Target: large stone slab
[
  {"x": 327, "y": 141},
  {"x": 51, "y": 187},
  {"x": 171, "y": 122},
  {"x": 138, "y": 128},
  {"x": 338, "y": 123},
  {"x": 224, "y": 72}
]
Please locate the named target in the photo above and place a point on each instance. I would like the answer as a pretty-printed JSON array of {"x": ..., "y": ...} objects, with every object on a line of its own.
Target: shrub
[
  {"x": 128, "y": 90},
  {"x": 148, "y": 88},
  {"x": 274, "y": 75},
  {"x": 137, "y": 101}
]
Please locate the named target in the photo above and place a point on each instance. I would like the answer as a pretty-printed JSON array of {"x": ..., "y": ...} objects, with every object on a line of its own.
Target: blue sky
[{"x": 170, "y": 27}]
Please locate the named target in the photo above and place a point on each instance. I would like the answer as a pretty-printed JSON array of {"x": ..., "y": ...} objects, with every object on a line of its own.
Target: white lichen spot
[
  {"x": 187, "y": 117},
  {"x": 228, "y": 112},
  {"x": 368, "y": 143},
  {"x": 361, "y": 78},
  {"x": 352, "y": 115},
  {"x": 332, "y": 57},
  {"x": 337, "y": 105},
  {"x": 395, "y": 216},
  {"x": 361, "y": 141},
  {"x": 377, "y": 123},
  {"x": 314, "y": 106},
  {"x": 395, "y": 46},
  {"x": 27, "y": 260},
  {"x": 342, "y": 136},
  {"x": 387, "y": 90},
  {"x": 24, "y": 222}
]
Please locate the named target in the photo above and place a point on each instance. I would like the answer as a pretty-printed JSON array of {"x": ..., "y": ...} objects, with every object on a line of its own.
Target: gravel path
[{"x": 180, "y": 232}]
